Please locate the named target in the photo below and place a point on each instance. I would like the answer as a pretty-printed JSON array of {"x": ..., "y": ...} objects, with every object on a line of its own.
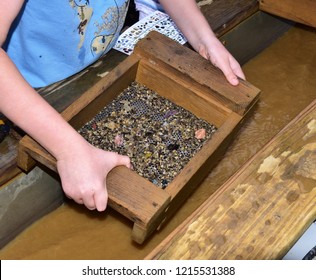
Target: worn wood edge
[
  {"x": 141, "y": 200},
  {"x": 141, "y": 233},
  {"x": 299, "y": 11},
  {"x": 24, "y": 160},
  {"x": 162, "y": 248},
  {"x": 188, "y": 62},
  {"x": 267, "y": 147}
]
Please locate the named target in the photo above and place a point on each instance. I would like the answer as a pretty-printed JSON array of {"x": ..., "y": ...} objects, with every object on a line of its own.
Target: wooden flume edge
[{"x": 262, "y": 210}]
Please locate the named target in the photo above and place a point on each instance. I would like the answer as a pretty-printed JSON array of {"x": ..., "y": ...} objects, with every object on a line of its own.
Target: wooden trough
[
  {"x": 181, "y": 75},
  {"x": 262, "y": 210}
]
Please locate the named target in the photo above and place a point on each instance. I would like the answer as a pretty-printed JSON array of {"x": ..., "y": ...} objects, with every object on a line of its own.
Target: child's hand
[
  {"x": 83, "y": 174},
  {"x": 221, "y": 58},
  {"x": 194, "y": 26}
]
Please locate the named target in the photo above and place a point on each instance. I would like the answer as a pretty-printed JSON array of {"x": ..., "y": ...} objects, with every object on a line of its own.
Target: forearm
[
  {"x": 8, "y": 12},
  {"x": 190, "y": 20},
  {"x": 22, "y": 105}
]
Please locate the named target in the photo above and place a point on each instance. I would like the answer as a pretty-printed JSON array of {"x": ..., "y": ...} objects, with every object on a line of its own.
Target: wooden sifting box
[{"x": 181, "y": 75}]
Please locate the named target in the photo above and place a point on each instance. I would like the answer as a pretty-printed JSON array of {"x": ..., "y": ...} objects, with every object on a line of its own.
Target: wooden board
[
  {"x": 262, "y": 210},
  {"x": 223, "y": 15},
  {"x": 185, "y": 78},
  {"x": 184, "y": 60},
  {"x": 302, "y": 11}
]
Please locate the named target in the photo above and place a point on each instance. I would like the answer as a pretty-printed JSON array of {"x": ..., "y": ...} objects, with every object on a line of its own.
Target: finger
[
  {"x": 227, "y": 70},
  {"x": 101, "y": 199},
  {"x": 239, "y": 73},
  {"x": 79, "y": 201},
  {"x": 237, "y": 69},
  {"x": 124, "y": 160},
  {"x": 232, "y": 78},
  {"x": 75, "y": 199},
  {"x": 88, "y": 199}
]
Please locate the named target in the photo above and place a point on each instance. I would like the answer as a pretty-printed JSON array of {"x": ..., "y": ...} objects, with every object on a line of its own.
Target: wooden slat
[
  {"x": 223, "y": 15},
  {"x": 8, "y": 164},
  {"x": 197, "y": 102},
  {"x": 261, "y": 211},
  {"x": 302, "y": 11},
  {"x": 157, "y": 49}
]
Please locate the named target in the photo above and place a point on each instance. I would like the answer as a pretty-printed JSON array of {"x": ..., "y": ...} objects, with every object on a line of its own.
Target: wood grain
[{"x": 223, "y": 15}]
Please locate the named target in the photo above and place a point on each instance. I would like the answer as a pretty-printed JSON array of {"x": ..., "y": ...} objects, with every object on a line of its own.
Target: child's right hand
[{"x": 83, "y": 174}]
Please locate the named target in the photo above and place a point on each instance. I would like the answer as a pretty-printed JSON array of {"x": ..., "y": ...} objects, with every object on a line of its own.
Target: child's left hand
[{"x": 221, "y": 58}]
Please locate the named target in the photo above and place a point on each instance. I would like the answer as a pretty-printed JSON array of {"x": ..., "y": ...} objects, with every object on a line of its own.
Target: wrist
[{"x": 69, "y": 147}]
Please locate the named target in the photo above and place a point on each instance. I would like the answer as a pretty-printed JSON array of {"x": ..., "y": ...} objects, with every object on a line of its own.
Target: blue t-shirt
[{"x": 52, "y": 40}]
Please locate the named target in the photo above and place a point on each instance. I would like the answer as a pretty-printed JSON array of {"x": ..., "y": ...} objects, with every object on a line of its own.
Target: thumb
[
  {"x": 123, "y": 160},
  {"x": 231, "y": 77}
]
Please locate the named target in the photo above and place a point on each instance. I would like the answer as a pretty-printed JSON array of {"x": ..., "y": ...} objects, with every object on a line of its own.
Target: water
[{"x": 285, "y": 72}]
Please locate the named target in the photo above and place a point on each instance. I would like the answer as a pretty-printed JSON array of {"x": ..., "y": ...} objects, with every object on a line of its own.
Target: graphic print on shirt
[
  {"x": 106, "y": 28},
  {"x": 84, "y": 13}
]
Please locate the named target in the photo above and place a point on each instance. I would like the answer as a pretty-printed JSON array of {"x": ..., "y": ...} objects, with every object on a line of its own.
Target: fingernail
[{"x": 235, "y": 81}]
